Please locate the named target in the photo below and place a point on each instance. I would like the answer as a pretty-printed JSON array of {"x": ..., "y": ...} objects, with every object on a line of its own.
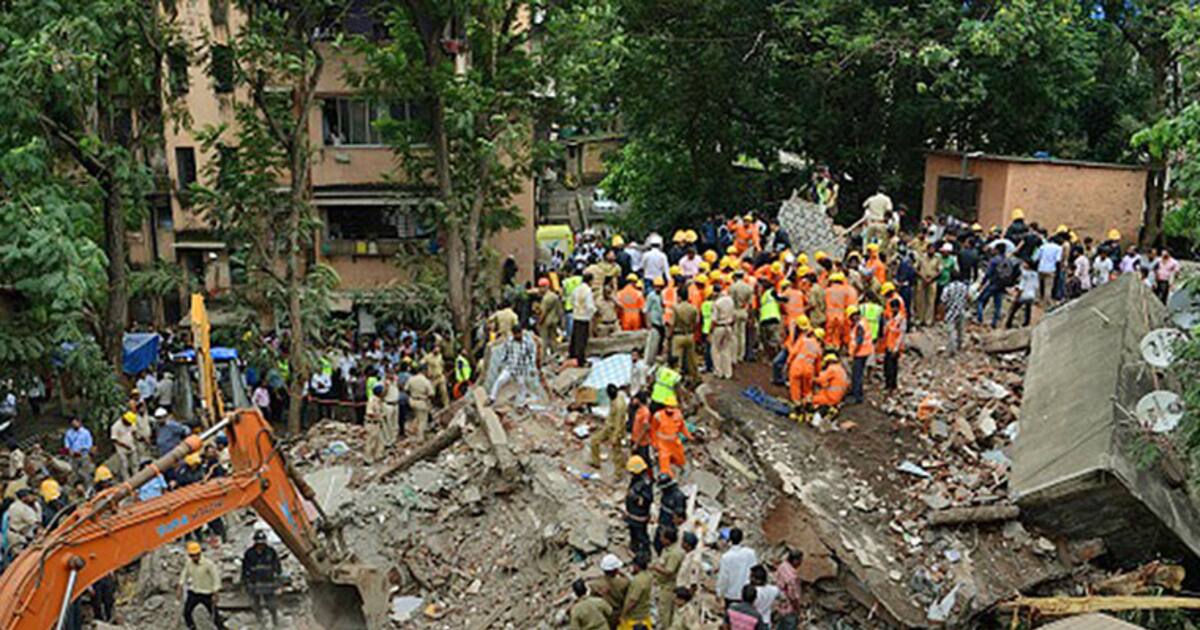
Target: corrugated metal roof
[{"x": 1091, "y": 621}]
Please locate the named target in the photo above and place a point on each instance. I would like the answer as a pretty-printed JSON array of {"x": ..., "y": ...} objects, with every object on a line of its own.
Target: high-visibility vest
[
  {"x": 871, "y": 314},
  {"x": 769, "y": 307},
  {"x": 371, "y": 382},
  {"x": 462, "y": 369},
  {"x": 860, "y": 341},
  {"x": 665, "y": 380},
  {"x": 706, "y": 317},
  {"x": 569, "y": 286}
]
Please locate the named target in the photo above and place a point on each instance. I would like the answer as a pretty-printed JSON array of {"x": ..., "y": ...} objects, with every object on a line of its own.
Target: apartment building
[{"x": 364, "y": 203}]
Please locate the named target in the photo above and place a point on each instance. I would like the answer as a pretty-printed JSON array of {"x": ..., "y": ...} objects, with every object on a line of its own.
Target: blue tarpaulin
[
  {"x": 218, "y": 353},
  {"x": 140, "y": 352}
]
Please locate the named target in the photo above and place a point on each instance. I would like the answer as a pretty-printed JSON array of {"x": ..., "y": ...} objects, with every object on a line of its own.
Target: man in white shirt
[
  {"x": 734, "y": 571},
  {"x": 583, "y": 308},
  {"x": 1048, "y": 258},
  {"x": 654, "y": 262},
  {"x": 874, "y": 218}
]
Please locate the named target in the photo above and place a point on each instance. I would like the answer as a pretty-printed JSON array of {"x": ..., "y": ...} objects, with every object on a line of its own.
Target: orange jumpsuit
[
  {"x": 804, "y": 356},
  {"x": 860, "y": 344},
  {"x": 795, "y": 303},
  {"x": 666, "y": 439},
  {"x": 893, "y": 332},
  {"x": 743, "y": 236},
  {"x": 695, "y": 295},
  {"x": 642, "y": 437},
  {"x": 831, "y": 386},
  {"x": 837, "y": 328},
  {"x": 878, "y": 269},
  {"x": 670, "y": 296},
  {"x": 631, "y": 301}
]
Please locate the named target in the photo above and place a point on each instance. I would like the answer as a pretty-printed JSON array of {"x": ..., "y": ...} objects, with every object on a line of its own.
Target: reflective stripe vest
[
  {"x": 893, "y": 333},
  {"x": 462, "y": 369},
  {"x": 871, "y": 314},
  {"x": 860, "y": 341},
  {"x": 665, "y": 380},
  {"x": 569, "y": 286},
  {"x": 769, "y": 307},
  {"x": 706, "y": 317}
]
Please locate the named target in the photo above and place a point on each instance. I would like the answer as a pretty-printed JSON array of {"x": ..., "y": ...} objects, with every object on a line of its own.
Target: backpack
[{"x": 1009, "y": 272}]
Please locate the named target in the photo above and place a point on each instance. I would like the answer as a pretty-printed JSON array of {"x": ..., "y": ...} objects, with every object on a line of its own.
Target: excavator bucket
[{"x": 355, "y": 597}]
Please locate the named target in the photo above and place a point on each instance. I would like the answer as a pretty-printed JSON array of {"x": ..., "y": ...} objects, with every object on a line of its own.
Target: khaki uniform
[
  {"x": 420, "y": 391},
  {"x": 929, "y": 267},
  {"x": 435, "y": 368},
  {"x": 612, "y": 591},
  {"x": 549, "y": 318},
  {"x": 611, "y": 433},
  {"x": 391, "y": 417},
  {"x": 640, "y": 588},
  {"x": 606, "y": 318},
  {"x": 723, "y": 315},
  {"x": 816, "y": 306},
  {"x": 124, "y": 440},
  {"x": 668, "y": 562},
  {"x": 743, "y": 295},
  {"x": 376, "y": 411},
  {"x": 590, "y": 613},
  {"x": 683, "y": 337},
  {"x": 505, "y": 320}
]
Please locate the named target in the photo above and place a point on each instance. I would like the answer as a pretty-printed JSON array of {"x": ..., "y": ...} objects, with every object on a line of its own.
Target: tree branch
[{"x": 94, "y": 167}]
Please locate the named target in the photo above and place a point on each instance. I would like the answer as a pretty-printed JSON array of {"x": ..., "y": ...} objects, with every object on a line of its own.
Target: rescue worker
[
  {"x": 804, "y": 356},
  {"x": 685, "y": 321},
  {"x": 462, "y": 375},
  {"x": 124, "y": 438},
  {"x": 435, "y": 369},
  {"x": 795, "y": 302},
  {"x": 589, "y": 612},
  {"x": 929, "y": 268},
  {"x": 745, "y": 234},
  {"x": 201, "y": 581},
  {"x": 769, "y": 319},
  {"x": 635, "y": 613},
  {"x": 420, "y": 391},
  {"x": 666, "y": 384},
  {"x": 655, "y": 322},
  {"x": 613, "y": 429},
  {"x": 875, "y": 264},
  {"x": 607, "y": 320},
  {"x": 666, "y": 570},
  {"x": 831, "y": 384},
  {"x": 612, "y": 586},
  {"x": 672, "y": 509},
  {"x": 549, "y": 317},
  {"x": 816, "y": 298},
  {"x": 631, "y": 302},
  {"x": 641, "y": 434},
  {"x": 861, "y": 348},
  {"x": 390, "y": 427},
  {"x": 839, "y": 297},
  {"x": 375, "y": 417},
  {"x": 261, "y": 571},
  {"x": 638, "y": 500},
  {"x": 723, "y": 345},
  {"x": 896, "y": 320},
  {"x": 743, "y": 300},
  {"x": 669, "y": 425}
]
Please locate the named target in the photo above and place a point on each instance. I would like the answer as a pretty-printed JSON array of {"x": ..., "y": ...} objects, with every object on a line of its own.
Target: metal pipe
[{"x": 66, "y": 601}]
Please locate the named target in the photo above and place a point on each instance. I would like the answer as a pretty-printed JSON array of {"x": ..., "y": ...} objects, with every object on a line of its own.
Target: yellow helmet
[
  {"x": 129, "y": 417},
  {"x": 702, "y": 278},
  {"x": 785, "y": 284},
  {"x": 658, "y": 282},
  {"x": 710, "y": 256},
  {"x": 804, "y": 270},
  {"x": 102, "y": 474},
  {"x": 803, "y": 323},
  {"x": 819, "y": 333},
  {"x": 777, "y": 267},
  {"x": 675, "y": 270},
  {"x": 728, "y": 263},
  {"x": 690, "y": 236},
  {"x": 704, "y": 266},
  {"x": 975, "y": 227},
  {"x": 193, "y": 548},
  {"x": 802, "y": 258},
  {"x": 1062, "y": 229},
  {"x": 837, "y": 276},
  {"x": 633, "y": 277},
  {"x": 872, "y": 247},
  {"x": 636, "y": 464},
  {"x": 829, "y": 358},
  {"x": 886, "y": 288},
  {"x": 50, "y": 490},
  {"x": 731, "y": 250},
  {"x": 679, "y": 236},
  {"x": 708, "y": 291},
  {"x": 617, "y": 241},
  {"x": 820, "y": 255},
  {"x": 1018, "y": 213},
  {"x": 1114, "y": 235},
  {"x": 851, "y": 310},
  {"x": 192, "y": 459},
  {"x": 749, "y": 216}
]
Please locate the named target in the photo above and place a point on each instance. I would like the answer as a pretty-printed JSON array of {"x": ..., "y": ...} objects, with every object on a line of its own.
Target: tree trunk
[
  {"x": 117, "y": 310},
  {"x": 1156, "y": 189},
  {"x": 296, "y": 263}
]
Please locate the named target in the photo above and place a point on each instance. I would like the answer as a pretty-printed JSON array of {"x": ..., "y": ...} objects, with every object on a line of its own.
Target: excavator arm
[{"x": 101, "y": 535}]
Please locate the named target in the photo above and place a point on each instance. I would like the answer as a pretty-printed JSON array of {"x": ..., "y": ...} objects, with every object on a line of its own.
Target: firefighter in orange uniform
[
  {"x": 669, "y": 424},
  {"x": 831, "y": 385},
  {"x": 861, "y": 348},
  {"x": 839, "y": 297},
  {"x": 632, "y": 302},
  {"x": 795, "y": 303},
  {"x": 875, "y": 264},
  {"x": 745, "y": 234},
  {"x": 804, "y": 355},
  {"x": 896, "y": 320}
]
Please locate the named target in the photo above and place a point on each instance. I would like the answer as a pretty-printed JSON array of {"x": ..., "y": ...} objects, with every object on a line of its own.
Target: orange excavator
[{"x": 111, "y": 530}]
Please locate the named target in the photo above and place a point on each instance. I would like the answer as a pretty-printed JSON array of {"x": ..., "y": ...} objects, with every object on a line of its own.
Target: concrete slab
[{"x": 330, "y": 485}]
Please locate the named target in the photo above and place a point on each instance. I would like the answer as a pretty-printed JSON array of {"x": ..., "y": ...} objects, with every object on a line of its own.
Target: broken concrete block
[
  {"x": 707, "y": 483},
  {"x": 913, "y": 469},
  {"x": 618, "y": 342},
  {"x": 1002, "y": 341},
  {"x": 985, "y": 423},
  {"x": 567, "y": 379}
]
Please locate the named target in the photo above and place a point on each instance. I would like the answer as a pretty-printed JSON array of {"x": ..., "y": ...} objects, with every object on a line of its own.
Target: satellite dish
[
  {"x": 1159, "y": 411},
  {"x": 1158, "y": 346},
  {"x": 1184, "y": 305}
]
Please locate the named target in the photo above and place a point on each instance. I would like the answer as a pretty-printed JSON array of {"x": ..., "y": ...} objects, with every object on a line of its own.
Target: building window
[
  {"x": 185, "y": 172},
  {"x": 373, "y": 223},
  {"x": 351, "y": 121},
  {"x": 958, "y": 197},
  {"x": 222, "y": 68},
  {"x": 177, "y": 71}
]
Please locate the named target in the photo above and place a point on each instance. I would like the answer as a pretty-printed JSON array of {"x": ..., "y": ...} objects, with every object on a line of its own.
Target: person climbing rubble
[
  {"x": 261, "y": 571},
  {"x": 613, "y": 430}
]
